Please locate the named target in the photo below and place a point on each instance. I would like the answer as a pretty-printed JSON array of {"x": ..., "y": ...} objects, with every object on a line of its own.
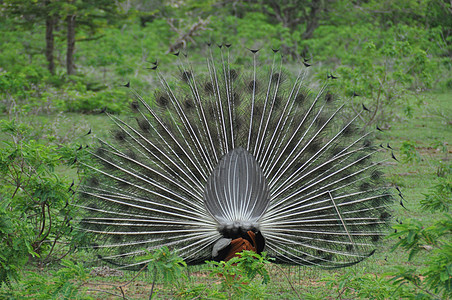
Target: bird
[{"x": 235, "y": 155}]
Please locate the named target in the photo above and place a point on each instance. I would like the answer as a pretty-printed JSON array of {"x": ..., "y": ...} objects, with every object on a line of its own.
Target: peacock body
[{"x": 236, "y": 153}]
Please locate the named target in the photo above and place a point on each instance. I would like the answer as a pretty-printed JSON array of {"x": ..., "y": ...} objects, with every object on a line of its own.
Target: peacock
[{"x": 242, "y": 155}]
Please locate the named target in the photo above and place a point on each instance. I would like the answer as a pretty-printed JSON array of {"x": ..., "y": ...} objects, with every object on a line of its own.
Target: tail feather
[{"x": 217, "y": 154}]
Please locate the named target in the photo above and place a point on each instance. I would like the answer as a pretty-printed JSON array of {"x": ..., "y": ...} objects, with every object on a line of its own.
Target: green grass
[{"x": 431, "y": 135}]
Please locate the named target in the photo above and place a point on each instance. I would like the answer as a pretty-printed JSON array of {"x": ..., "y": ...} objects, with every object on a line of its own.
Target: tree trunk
[
  {"x": 50, "y": 23},
  {"x": 310, "y": 27},
  {"x": 70, "y": 45},
  {"x": 312, "y": 21}
]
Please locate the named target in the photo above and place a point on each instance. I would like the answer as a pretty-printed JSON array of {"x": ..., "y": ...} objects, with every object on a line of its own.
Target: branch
[
  {"x": 183, "y": 38},
  {"x": 445, "y": 7},
  {"x": 141, "y": 270},
  {"x": 120, "y": 287},
  {"x": 424, "y": 290},
  {"x": 170, "y": 21},
  {"x": 290, "y": 283}
]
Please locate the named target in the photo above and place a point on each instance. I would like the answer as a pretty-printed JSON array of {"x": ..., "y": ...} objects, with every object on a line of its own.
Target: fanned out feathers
[{"x": 231, "y": 150}]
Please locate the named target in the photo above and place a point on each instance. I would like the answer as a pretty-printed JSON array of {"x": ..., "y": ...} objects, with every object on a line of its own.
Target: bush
[
  {"x": 15, "y": 243},
  {"x": 383, "y": 77},
  {"x": 355, "y": 283},
  {"x": 35, "y": 206},
  {"x": 237, "y": 275},
  {"x": 113, "y": 101},
  {"x": 409, "y": 153},
  {"x": 434, "y": 242},
  {"x": 66, "y": 283}
]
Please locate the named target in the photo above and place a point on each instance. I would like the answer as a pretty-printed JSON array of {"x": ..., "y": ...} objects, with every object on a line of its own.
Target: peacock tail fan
[{"x": 226, "y": 151}]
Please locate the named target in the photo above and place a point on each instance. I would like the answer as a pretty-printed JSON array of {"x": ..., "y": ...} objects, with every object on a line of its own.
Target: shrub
[
  {"x": 432, "y": 241},
  {"x": 66, "y": 283},
  {"x": 35, "y": 201},
  {"x": 237, "y": 275},
  {"x": 113, "y": 101}
]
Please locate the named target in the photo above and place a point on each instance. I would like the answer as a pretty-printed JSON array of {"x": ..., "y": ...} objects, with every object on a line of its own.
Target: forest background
[{"x": 64, "y": 63}]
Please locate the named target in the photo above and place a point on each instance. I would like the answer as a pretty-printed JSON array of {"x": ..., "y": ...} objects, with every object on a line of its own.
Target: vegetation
[{"x": 64, "y": 62}]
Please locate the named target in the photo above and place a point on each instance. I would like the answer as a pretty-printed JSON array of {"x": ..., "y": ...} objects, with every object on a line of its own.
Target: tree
[
  {"x": 292, "y": 13},
  {"x": 50, "y": 23},
  {"x": 89, "y": 14},
  {"x": 28, "y": 13}
]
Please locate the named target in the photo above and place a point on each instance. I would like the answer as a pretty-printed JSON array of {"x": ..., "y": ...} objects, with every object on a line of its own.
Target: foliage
[
  {"x": 24, "y": 88},
  {"x": 200, "y": 291},
  {"x": 379, "y": 65},
  {"x": 408, "y": 152},
  {"x": 238, "y": 274},
  {"x": 166, "y": 264},
  {"x": 433, "y": 241},
  {"x": 35, "y": 211},
  {"x": 83, "y": 101},
  {"x": 22, "y": 95},
  {"x": 66, "y": 283},
  {"x": 357, "y": 283},
  {"x": 440, "y": 197},
  {"x": 61, "y": 284},
  {"x": 15, "y": 242},
  {"x": 383, "y": 75},
  {"x": 91, "y": 16}
]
